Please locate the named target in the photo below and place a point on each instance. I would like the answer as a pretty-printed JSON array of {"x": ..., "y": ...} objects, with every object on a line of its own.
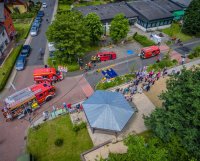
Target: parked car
[
  {"x": 40, "y": 13},
  {"x": 39, "y": 19},
  {"x": 34, "y": 31},
  {"x": 20, "y": 63},
  {"x": 26, "y": 49},
  {"x": 36, "y": 24},
  {"x": 44, "y": 5}
]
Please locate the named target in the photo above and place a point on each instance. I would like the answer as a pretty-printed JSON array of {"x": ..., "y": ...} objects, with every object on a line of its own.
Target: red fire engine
[
  {"x": 106, "y": 55},
  {"x": 150, "y": 51},
  {"x": 42, "y": 75},
  {"x": 27, "y": 100}
]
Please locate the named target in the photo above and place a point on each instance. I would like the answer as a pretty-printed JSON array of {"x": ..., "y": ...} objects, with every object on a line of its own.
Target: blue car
[
  {"x": 34, "y": 31},
  {"x": 20, "y": 63},
  {"x": 26, "y": 49},
  {"x": 40, "y": 14},
  {"x": 36, "y": 24},
  {"x": 38, "y": 19}
]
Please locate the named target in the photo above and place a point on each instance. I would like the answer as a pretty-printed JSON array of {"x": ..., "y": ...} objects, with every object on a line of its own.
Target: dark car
[
  {"x": 40, "y": 14},
  {"x": 26, "y": 49},
  {"x": 20, "y": 63}
]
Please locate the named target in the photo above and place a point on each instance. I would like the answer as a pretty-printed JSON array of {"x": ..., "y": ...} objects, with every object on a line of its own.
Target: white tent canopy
[{"x": 107, "y": 111}]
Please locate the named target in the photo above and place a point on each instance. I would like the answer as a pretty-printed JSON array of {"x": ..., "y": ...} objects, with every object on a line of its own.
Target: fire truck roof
[
  {"x": 150, "y": 48},
  {"x": 40, "y": 71},
  {"x": 24, "y": 95}
]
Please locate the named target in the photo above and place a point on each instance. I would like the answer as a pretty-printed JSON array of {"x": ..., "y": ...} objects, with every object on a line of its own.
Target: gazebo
[{"x": 107, "y": 111}]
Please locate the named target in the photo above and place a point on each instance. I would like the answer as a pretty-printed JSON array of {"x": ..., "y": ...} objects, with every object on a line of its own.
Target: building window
[
  {"x": 6, "y": 42},
  {"x": 149, "y": 25},
  {"x": 161, "y": 23}
]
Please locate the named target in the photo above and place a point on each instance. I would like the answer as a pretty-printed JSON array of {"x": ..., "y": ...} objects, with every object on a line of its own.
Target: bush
[
  {"x": 115, "y": 82},
  {"x": 59, "y": 142},
  {"x": 76, "y": 128},
  {"x": 143, "y": 40},
  {"x": 7, "y": 67},
  {"x": 195, "y": 53}
]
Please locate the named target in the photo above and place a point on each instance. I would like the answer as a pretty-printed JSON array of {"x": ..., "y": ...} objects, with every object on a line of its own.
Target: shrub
[
  {"x": 143, "y": 40},
  {"x": 76, "y": 128},
  {"x": 191, "y": 56},
  {"x": 195, "y": 53},
  {"x": 59, "y": 142},
  {"x": 7, "y": 67}
]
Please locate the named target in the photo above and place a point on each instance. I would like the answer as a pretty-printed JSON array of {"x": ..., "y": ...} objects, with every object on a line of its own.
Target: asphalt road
[
  {"x": 40, "y": 40},
  {"x": 187, "y": 47},
  {"x": 121, "y": 68}
]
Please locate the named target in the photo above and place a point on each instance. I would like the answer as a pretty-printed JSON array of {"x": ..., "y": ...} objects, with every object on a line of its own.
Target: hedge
[
  {"x": 143, "y": 40},
  {"x": 7, "y": 67},
  {"x": 195, "y": 53},
  {"x": 115, "y": 82}
]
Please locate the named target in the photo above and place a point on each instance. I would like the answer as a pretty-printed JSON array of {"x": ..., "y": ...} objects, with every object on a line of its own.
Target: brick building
[{"x": 6, "y": 21}]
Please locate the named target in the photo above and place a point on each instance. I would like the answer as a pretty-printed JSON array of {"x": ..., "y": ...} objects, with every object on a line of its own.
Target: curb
[{"x": 46, "y": 53}]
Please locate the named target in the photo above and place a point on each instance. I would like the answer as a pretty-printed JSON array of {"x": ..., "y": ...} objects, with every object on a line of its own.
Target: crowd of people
[{"x": 143, "y": 82}]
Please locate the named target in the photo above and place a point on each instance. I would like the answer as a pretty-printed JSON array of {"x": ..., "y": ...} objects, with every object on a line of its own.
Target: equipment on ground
[{"x": 109, "y": 73}]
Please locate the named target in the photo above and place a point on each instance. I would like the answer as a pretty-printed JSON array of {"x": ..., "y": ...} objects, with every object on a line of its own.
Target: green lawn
[
  {"x": 41, "y": 141},
  {"x": 7, "y": 67},
  {"x": 22, "y": 27},
  {"x": 64, "y": 7},
  {"x": 175, "y": 31}
]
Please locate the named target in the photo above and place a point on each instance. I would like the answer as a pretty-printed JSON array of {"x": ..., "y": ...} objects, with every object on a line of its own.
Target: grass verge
[
  {"x": 71, "y": 67},
  {"x": 7, "y": 67},
  {"x": 115, "y": 82},
  {"x": 41, "y": 142},
  {"x": 143, "y": 40},
  {"x": 22, "y": 27},
  {"x": 175, "y": 31}
]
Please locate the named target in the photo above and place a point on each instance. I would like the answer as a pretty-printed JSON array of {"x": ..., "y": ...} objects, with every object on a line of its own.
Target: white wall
[
  {"x": 153, "y": 28},
  {"x": 3, "y": 38}
]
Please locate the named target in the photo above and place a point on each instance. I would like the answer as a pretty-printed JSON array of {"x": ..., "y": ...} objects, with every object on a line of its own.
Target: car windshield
[
  {"x": 24, "y": 50},
  {"x": 19, "y": 63},
  {"x": 33, "y": 29}
]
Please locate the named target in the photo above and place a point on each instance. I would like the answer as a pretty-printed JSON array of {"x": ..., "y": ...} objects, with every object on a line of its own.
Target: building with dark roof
[
  {"x": 182, "y": 3},
  {"x": 108, "y": 11},
  {"x": 150, "y": 14},
  {"x": 176, "y": 10}
]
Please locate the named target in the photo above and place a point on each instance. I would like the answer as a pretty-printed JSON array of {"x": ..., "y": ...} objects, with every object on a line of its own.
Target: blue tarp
[
  {"x": 107, "y": 110},
  {"x": 109, "y": 73}
]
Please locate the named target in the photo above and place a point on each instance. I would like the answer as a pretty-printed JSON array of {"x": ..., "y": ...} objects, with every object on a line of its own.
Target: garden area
[
  {"x": 175, "y": 32},
  {"x": 115, "y": 82},
  {"x": 57, "y": 141},
  {"x": 7, "y": 67},
  {"x": 22, "y": 27},
  {"x": 143, "y": 40}
]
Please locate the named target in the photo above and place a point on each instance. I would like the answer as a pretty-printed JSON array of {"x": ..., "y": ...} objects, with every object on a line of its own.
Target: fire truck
[
  {"x": 106, "y": 55},
  {"x": 150, "y": 51},
  {"x": 27, "y": 100},
  {"x": 50, "y": 75}
]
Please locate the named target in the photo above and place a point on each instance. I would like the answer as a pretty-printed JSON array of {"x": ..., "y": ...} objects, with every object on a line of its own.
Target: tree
[
  {"x": 179, "y": 117},
  {"x": 191, "y": 19},
  {"x": 70, "y": 36},
  {"x": 140, "y": 150},
  {"x": 94, "y": 25},
  {"x": 119, "y": 27}
]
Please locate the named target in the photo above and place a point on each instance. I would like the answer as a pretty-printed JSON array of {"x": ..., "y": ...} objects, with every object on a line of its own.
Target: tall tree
[
  {"x": 95, "y": 27},
  {"x": 119, "y": 27},
  {"x": 180, "y": 116},
  {"x": 191, "y": 19},
  {"x": 69, "y": 34},
  {"x": 141, "y": 150}
]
